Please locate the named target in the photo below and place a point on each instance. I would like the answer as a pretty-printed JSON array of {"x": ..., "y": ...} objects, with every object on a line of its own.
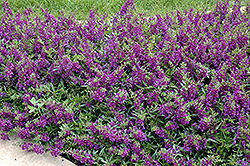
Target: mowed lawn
[{"x": 82, "y": 8}]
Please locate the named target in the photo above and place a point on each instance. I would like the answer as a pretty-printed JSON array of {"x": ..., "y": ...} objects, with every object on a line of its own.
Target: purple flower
[{"x": 4, "y": 136}]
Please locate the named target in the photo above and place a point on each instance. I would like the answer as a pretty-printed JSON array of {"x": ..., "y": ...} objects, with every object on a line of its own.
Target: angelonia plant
[{"x": 130, "y": 90}]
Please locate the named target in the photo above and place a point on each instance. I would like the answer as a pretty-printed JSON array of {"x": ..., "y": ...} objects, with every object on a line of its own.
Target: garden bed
[{"x": 174, "y": 90}]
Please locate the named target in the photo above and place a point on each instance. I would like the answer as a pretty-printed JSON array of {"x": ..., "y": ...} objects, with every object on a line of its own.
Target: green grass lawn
[{"x": 82, "y": 8}]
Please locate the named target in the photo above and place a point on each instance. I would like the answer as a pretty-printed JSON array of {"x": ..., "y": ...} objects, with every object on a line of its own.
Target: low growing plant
[{"x": 132, "y": 90}]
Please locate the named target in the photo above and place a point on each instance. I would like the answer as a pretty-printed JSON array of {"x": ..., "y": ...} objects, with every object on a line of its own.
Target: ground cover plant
[{"x": 170, "y": 90}]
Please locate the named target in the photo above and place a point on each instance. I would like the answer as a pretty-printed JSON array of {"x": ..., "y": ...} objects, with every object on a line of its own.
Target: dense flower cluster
[{"x": 132, "y": 89}]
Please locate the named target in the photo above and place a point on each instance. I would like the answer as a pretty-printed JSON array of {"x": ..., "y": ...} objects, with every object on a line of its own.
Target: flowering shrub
[{"x": 158, "y": 91}]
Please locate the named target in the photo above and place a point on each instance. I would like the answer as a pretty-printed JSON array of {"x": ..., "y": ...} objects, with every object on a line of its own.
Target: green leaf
[
  {"x": 32, "y": 109},
  {"x": 101, "y": 152},
  {"x": 209, "y": 139},
  {"x": 33, "y": 101},
  {"x": 40, "y": 104}
]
